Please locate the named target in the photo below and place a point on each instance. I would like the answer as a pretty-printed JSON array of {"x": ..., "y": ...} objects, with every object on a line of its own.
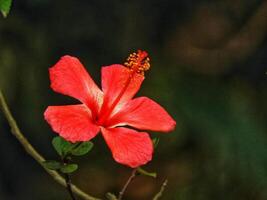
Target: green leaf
[
  {"x": 146, "y": 173},
  {"x": 62, "y": 146},
  {"x": 155, "y": 142},
  {"x": 5, "y": 7},
  {"x": 82, "y": 148},
  {"x": 52, "y": 164},
  {"x": 68, "y": 168}
]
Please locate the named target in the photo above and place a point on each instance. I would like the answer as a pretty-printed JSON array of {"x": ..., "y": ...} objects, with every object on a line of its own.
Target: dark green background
[{"x": 218, "y": 97}]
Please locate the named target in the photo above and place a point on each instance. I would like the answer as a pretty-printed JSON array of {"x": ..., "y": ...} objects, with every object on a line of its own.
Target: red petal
[
  {"x": 128, "y": 146},
  {"x": 68, "y": 76},
  {"x": 115, "y": 79},
  {"x": 72, "y": 122},
  {"x": 143, "y": 113}
]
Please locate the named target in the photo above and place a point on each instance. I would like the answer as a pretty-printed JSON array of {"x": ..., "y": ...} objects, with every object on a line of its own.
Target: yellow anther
[{"x": 138, "y": 62}]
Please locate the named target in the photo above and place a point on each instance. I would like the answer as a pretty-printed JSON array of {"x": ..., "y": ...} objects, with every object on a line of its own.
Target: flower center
[{"x": 137, "y": 63}]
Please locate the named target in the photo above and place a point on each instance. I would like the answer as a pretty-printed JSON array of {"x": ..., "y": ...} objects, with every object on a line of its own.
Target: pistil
[{"x": 136, "y": 63}]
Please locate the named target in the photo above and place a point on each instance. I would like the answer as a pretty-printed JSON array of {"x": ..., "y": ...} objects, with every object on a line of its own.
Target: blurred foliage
[
  {"x": 208, "y": 69},
  {"x": 5, "y": 6}
]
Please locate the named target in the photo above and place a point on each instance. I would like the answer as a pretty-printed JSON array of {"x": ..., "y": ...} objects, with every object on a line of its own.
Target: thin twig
[
  {"x": 159, "y": 194},
  {"x": 67, "y": 178},
  {"x": 69, "y": 188},
  {"x": 127, "y": 183},
  {"x": 32, "y": 152}
]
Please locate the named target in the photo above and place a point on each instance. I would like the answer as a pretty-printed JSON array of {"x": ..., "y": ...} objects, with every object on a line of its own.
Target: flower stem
[
  {"x": 32, "y": 152},
  {"x": 65, "y": 161},
  {"x": 133, "y": 175},
  {"x": 68, "y": 182}
]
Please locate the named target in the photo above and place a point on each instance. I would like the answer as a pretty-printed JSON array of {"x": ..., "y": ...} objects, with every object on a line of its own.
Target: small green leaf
[
  {"x": 5, "y": 7},
  {"x": 82, "y": 148},
  {"x": 155, "y": 142},
  {"x": 52, "y": 164},
  {"x": 62, "y": 146},
  {"x": 68, "y": 168},
  {"x": 146, "y": 173}
]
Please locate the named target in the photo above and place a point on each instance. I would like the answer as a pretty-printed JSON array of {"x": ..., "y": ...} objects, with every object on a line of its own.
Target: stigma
[{"x": 138, "y": 62}]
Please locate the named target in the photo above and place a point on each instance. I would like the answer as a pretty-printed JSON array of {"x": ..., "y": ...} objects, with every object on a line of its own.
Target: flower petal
[
  {"x": 72, "y": 122},
  {"x": 128, "y": 146},
  {"x": 143, "y": 113},
  {"x": 68, "y": 76},
  {"x": 118, "y": 80}
]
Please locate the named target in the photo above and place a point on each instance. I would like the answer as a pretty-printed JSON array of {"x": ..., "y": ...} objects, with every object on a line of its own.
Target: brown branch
[
  {"x": 127, "y": 183},
  {"x": 32, "y": 152},
  {"x": 159, "y": 194}
]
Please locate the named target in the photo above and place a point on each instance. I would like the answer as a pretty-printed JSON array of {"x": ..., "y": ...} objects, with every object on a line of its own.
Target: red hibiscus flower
[{"x": 109, "y": 109}]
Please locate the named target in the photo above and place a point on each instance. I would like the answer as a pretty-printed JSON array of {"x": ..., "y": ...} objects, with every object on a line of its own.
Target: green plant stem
[
  {"x": 111, "y": 196},
  {"x": 133, "y": 175},
  {"x": 32, "y": 152},
  {"x": 159, "y": 194}
]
